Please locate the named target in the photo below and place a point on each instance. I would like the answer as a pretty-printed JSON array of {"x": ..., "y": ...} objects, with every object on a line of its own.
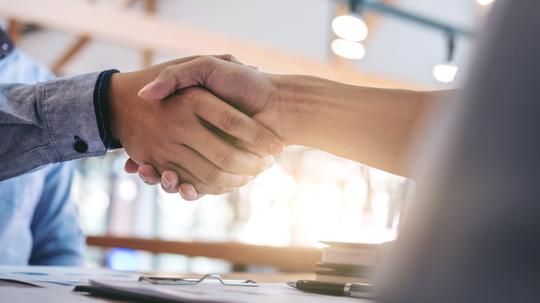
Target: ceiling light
[
  {"x": 485, "y": 2},
  {"x": 350, "y": 27},
  {"x": 348, "y": 49},
  {"x": 445, "y": 73}
]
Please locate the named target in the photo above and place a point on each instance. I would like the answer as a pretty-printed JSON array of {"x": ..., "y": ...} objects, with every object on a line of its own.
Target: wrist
[
  {"x": 293, "y": 102},
  {"x": 115, "y": 91},
  {"x": 102, "y": 109}
]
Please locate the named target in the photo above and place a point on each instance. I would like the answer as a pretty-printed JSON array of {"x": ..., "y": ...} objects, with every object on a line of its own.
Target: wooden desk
[{"x": 288, "y": 259}]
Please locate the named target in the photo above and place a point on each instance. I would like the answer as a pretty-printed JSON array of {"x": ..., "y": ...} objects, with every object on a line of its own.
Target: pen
[{"x": 357, "y": 290}]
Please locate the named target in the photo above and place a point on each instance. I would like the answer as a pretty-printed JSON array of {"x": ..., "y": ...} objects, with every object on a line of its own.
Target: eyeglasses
[{"x": 206, "y": 279}]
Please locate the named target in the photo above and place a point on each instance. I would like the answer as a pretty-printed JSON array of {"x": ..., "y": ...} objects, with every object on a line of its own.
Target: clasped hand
[{"x": 179, "y": 131}]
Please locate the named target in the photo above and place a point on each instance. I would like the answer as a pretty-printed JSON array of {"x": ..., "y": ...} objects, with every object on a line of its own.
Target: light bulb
[
  {"x": 445, "y": 73},
  {"x": 350, "y": 27},
  {"x": 484, "y": 2},
  {"x": 348, "y": 49}
]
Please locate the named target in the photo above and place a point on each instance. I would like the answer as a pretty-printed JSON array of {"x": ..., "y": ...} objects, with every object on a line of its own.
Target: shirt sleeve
[
  {"x": 53, "y": 121},
  {"x": 56, "y": 234}
]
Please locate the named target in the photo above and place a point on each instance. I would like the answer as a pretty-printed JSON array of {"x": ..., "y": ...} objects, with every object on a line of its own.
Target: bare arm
[
  {"x": 369, "y": 125},
  {"x": 373, "y": 126}
]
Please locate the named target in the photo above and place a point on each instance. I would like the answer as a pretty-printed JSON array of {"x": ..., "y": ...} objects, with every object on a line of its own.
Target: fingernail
[
  {"x": 190, "y": 193},
  {"x": 143, "y": 178},
  {"x": 148, "y": 87},
  {"x": 166, "y": 184}
]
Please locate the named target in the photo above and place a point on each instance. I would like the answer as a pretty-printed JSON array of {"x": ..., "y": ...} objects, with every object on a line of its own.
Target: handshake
[
  {"x": 198, "y": 125},
  {"x": 208, "y": 125}
]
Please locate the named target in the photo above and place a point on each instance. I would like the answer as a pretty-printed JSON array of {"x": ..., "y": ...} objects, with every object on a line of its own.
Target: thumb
[
  {"x": 161, "y": 87},
  {"x": 176, "y": 77},
  {"x": 186, "y": 74}
]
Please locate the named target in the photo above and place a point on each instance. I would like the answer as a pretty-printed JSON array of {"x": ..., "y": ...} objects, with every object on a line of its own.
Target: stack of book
[{"x": 345, "y": 262}]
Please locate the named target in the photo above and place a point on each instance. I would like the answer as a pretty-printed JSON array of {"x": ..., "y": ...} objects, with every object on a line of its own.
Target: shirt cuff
[
  {"x": 68, "y": 114},
  {"x": 101, "y": 107}
]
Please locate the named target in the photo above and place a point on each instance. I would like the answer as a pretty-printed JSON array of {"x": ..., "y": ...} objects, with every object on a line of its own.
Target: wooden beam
[
  {"x": 150, "y": 7},
  {"x": 77, "y": 47},
  {"x": 69, "y": 53},
  {"x": 14, "y": 29},
  {"x": 142, "y": 30},
  {"x": 299, "y": 259}
]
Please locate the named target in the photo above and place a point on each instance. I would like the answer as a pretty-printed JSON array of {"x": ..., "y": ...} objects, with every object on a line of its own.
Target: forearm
[
  {"x": 369, "y": 125},
  {"x": 124, "y": 88},
  {"x": 60, "y": 120},
  {"x": 41, "y": 123}
]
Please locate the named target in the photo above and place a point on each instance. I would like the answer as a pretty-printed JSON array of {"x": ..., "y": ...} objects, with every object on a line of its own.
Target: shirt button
[{"x": 80, "y": 146}]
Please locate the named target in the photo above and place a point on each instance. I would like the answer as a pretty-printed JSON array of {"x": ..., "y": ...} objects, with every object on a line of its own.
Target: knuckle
[
  {"x": 209, "y": 64},
  {"x": 228, "y": 161},
  {"x": 227, "y": 57},
  {"x": 167, "y": 72},
  {"x": 259, "y": 138},
  {"x": 192, "y": 96},
  {"x": 213, "y": 178},
  {"x": 231, "y": 122},
  {"x": 207, "y": 60}
]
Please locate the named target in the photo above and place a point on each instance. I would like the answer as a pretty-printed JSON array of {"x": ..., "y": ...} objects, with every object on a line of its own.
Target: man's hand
[
  {"x": 243, "y": 87},
  {"x": 178, "y": 135},
  {"x": 255, "y": 93}
]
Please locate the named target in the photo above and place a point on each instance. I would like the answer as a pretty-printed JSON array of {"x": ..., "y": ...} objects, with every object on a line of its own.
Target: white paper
[{"x": 213, "y": 293}]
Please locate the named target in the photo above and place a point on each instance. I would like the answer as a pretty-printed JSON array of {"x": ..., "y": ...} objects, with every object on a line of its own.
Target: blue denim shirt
[
  {"x": 38, "y": 221},
  {"x": 44, "y": 123}
]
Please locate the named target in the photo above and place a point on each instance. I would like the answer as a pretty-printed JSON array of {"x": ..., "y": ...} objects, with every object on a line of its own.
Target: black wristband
[{"x": 101, "y": 107}]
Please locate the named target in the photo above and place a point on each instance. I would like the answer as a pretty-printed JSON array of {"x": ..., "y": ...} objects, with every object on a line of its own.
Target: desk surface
[{"x": 21, "y": 293}]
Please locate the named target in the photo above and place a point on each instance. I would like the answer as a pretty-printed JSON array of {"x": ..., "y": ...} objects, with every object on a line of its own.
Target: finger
[
  {"x": 224, "y": 155},
  {"x": 192, "y": 188},
  {"x": 236, "y": 142},
  {"x": 190, "y": 193},
  {"x": 230, "y": 58},
  {"x": 249, "y": 148},
  {"x": 175, "y": 77},
  {"x": 164, "y": 85},
  {"x": 237, "y": 124},
  {"x": 131, "y": 167},
  {"x": 169, "y": 181},
  {"x": 206, "y": 171},
  {"x": 233, "y": 59},
  {"x": 148, "y": 174}
]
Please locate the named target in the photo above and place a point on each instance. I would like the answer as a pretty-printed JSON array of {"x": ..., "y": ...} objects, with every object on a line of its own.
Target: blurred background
[{"x": 307, "y": 196}]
